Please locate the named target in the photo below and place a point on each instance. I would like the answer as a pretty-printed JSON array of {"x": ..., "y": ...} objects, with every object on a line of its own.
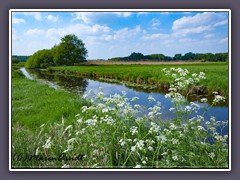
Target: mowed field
[{"x": 216, "y": 73}]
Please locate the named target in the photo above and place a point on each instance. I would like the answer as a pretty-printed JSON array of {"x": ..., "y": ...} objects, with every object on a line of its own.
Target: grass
[
  {"x": 216, "y": 73},
  {"x": 34, "y": 104},
  {"x": 110, "y": 132}
]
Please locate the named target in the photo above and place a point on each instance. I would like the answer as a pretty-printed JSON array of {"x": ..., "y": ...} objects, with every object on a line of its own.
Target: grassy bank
[
  {"x": 216, "y": 74},
  {"x": 34, "y": 104}
]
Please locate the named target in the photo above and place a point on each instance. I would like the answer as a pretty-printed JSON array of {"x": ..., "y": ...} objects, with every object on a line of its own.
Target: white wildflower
[
  {"x": 175, "y": 141},
  {"x": 134, "y": 98},
  {"x": 172, "y": 126},
  {"x": 84, "y": 108},
  {"x": 175, "y": 158},
  {"x": 187, "y": 109},
  {"x": 91, "y": 122},
  {"x": 71, "y": 140},
  {"x": 163, "y": 154},
  {"x": 218, "y": 99},
  {"x": 48, "y": 143},
  {"x": 203, "y": 100},
  {"x": 200, "y": 128},
  {"x": 150, "y": 98},
  {"x": 79, "y": 120},
  {"x": 37, "y": 151},
  {"x": 133, "y": 130},
  {"x": 171, "y": 109},
  {"x": 194, "y": 75},
  {"x": 138, "y": 166},
  {"x": 67, "y": 128},
  {"x": 211, "y": 155},
  {"x": 133, "y": 148},
  {"x": 105, "y": 110},
  {"x": 65, "y": 166},
  {"x": 150, "y": 148},
  {"x": 122, "y": 142}
]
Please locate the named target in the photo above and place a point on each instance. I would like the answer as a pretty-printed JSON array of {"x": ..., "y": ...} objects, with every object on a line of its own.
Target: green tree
[
  {"x": 71, "y": 50},
  {"x": 177, "y": 56},
  {"x": 41, "y": 59},
  {"x": 15, "y": 60}
]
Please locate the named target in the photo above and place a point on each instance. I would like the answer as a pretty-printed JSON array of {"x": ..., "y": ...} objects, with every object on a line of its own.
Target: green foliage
[
  {"x": 161, "y": 57},
  {"x": 71, "y": 50},
  {"x": 21, "y": 58},
  {"x": 40, "y": 59},
  {"x": 15, "y": 61},
  {"x": 17, "y": 74}
]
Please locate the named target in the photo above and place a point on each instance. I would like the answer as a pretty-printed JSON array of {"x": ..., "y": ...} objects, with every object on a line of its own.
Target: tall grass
[{"x": 111, "y": 132}]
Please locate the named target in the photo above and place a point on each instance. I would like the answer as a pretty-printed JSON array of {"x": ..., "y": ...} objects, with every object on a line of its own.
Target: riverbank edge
[
  {"x": 199, "y": 90},
  {"x": 55, "y": 99}
]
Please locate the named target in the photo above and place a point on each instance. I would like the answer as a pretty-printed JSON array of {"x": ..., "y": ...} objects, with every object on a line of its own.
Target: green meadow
[{"x": 216, "y": 73}]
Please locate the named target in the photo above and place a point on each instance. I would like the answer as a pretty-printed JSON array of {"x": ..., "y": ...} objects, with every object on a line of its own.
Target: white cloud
[
  {"x": 78, "y": 29},
  {"x": 35, "y": 31},
  {"x": 14, "y": 35},
  {"x": 18, "y": 20},
  {"x": 209, "y": 35},
  {"x": 187, "y": 40},
  {"x": 53, "y": 18},
  {"x": 123, "y": 14},
  {"x": 126, "y": 33},
  {"x": 192, "y": 30},
  {"x": 198, "y": 23},
  {"x": 36, "y": 15},
  {"x": 223, "y": 40},
  {"x": 155, "y": 36},
  {"x": 155, "y": 22},
  {"x": 84, "y": 16},
  {"x": 221, "y": 23}
]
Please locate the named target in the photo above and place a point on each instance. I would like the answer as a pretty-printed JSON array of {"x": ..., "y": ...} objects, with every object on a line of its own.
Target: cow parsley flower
[{"x": 133, "y": 130}]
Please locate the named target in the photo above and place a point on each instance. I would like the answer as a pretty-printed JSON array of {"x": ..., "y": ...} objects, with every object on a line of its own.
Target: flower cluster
[{"x": 113, "y": 132}]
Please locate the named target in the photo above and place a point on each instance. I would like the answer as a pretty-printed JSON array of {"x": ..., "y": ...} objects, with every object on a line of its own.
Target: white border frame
[{"x": 117, "y": 10}]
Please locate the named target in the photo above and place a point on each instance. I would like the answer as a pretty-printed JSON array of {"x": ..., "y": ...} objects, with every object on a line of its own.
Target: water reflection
[{"x": 72, "y": 84}]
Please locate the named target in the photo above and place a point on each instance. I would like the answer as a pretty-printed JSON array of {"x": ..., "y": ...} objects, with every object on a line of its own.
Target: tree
[
  {"x": 71, "y": 50},
  {"x": 136, "y": 56},
  {"x": 177, "y": 56},
  {"x": 41, "y": 59},
  {"x": 15, "y": 60}
]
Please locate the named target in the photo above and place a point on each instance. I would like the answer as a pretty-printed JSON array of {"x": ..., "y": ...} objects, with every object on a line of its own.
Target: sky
[{"x": 118, "y": 34}]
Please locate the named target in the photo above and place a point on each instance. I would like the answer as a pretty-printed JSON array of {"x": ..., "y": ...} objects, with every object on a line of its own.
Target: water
[{"x": 83, "y": 85}]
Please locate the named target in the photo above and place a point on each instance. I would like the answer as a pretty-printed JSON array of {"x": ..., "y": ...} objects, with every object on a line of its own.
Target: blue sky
[{"x": 114, "y": 34}]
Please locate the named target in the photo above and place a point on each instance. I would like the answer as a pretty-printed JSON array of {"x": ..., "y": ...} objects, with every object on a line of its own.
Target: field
[{"x": 151, "y": 74}]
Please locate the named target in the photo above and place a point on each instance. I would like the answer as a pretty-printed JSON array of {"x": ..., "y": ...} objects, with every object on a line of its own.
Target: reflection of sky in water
[
  {"x": 221, "y": 113},
  {"x": 82, "y": 85}
]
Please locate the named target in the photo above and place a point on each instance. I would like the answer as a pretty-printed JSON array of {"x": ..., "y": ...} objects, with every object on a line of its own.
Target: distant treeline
[
  {"x": 161, "y": 57},
  {"x": 20, "y": 58}
]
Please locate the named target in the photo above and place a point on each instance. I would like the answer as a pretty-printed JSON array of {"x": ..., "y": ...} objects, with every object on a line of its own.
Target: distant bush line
[{"x": 186, "y": 57}]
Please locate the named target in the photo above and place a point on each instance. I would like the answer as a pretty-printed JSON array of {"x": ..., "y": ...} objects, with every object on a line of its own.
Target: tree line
[
  {"x": 69, "y": 51},
  {"x": 17, "y": 59},
  {"x": 186, "y": 57}
]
